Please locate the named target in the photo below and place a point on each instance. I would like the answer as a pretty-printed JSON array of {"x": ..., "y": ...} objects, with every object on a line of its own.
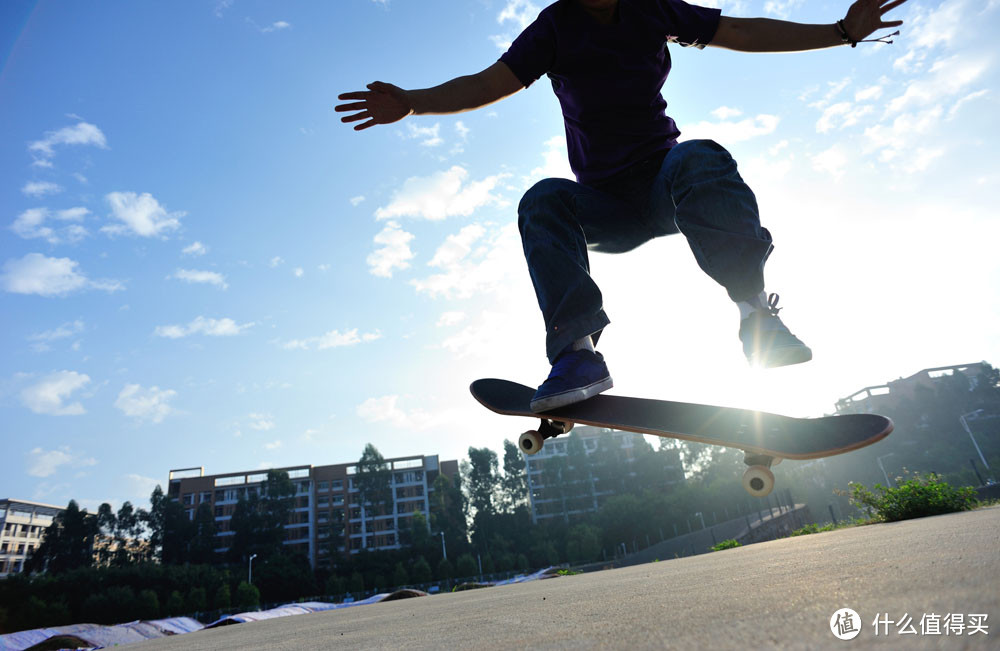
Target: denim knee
[{"x": 541, "y": 201}]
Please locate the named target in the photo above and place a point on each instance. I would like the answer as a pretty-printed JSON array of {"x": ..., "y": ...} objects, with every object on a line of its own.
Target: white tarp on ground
[
  {"x": 104, "y": 636},
  {"x": 95, "y": 635}
]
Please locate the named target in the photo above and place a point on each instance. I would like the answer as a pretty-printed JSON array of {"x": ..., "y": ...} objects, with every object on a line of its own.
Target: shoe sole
[
  {"x": 782, "y": 357},
  {"x": 557, "y": 400}
]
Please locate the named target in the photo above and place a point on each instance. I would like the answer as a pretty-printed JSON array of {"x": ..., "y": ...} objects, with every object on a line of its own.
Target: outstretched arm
[
  {"x": 384, "y": 103},
  {"x": 768, "y": 35}
]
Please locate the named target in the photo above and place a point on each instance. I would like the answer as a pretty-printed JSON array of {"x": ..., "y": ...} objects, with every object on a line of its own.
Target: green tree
[
  {"x": 514, "y": 483},
  {"x": 203, "y": 541},
  {"x": 400, "y": 576},
  {"x": 421, "y": 571},
  {"x": 169, "y": 528},
  {"x": 247, "y": 596},
  {"x": 149, "y": 604},
  {"x": 175, "y": 604},
  {"x": 223, "y": 599},
  {"x": 356, "y": 584},
  {"x": 374, "y": 482},
  {"x": 466, "y": 566},
  {"x": 68, "y": 542},
  {"x": 197, "y": 600}
]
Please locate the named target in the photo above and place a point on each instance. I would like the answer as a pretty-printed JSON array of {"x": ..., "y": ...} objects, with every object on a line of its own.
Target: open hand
[
  {"x": 865, "y": 17},
  {"x": 381, "y": 104}
]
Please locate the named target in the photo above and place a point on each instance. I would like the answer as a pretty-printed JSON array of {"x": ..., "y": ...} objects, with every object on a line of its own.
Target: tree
[
  {"x": 373, "y": 481},
  {"x": 169, "y": 527},
  {"x": 247, "y": 596},
  {"x": 68, "y": 542},
  {"x": 514, "y": 483},
  {"x": 203, "y": 535}
]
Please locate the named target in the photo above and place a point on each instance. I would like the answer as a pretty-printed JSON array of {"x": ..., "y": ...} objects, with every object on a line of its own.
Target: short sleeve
[
  {"x": 533, "y": 52},
  {"x": 689, "y": 25}
]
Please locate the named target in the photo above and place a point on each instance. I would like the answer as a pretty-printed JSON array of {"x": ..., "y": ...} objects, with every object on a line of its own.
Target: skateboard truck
[{"x": 531, "y": 441}]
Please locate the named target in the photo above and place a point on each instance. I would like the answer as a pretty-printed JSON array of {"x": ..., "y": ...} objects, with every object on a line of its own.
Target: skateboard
[{"x": 764, "y": 438}]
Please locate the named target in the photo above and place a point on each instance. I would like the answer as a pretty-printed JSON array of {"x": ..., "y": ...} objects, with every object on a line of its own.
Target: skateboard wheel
[
  {"x": 530, "y": 442},
  {"x": 758, "y": 481}
]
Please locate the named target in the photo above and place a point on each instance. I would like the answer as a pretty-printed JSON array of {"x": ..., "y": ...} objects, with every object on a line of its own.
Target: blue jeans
[{"x": 693, "y": 189}]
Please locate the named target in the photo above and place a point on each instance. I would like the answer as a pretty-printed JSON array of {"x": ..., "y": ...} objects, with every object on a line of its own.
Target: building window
[
  {"x": 337, "y": 485},
  {"x": 322, "y": 486},
  {"x": 188, "y": 499},
  {"x": 338, "y": 499}
]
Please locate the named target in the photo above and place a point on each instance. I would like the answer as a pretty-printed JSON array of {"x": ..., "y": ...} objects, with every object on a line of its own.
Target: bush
[
  {"x": 466, "y": 566},
  {"x": 335, "y": 585},
  {"x": 247, "y": 596},
  {"x": 445, "y": 570},
  {"x": 175, "y": 604},
  {"x": 149, "y": 605},
  {"x": 917, "y": 497},
  {"x": 400, "y": 576},
  {"x": 197, "y": 600},
  {"x": 421, "y": 571},
  {"x": 726, "y": 544},
  {"x": 223, "y": 598}
]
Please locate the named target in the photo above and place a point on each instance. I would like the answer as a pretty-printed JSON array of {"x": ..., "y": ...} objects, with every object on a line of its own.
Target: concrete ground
[{"x": 778, "y": 594}]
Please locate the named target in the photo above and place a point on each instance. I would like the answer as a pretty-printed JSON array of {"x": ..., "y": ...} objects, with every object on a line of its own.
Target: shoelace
[{"x": 772, "y": 304}]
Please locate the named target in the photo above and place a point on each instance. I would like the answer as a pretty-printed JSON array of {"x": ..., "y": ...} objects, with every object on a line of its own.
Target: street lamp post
[
  {"x": 444, "y": 550},
  {"x": 882, "y": 468},
  {"x": 969, "y": 432},
  {"x": 250, "y": 570}
]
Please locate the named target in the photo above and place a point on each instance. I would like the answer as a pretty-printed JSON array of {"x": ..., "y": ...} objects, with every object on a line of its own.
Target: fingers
[
  {"x": 359, "y": 94},
  {"x": 356, "y": 106},
  {"x": 364, "y": 115},
  {"x": 362, "y": 127}
]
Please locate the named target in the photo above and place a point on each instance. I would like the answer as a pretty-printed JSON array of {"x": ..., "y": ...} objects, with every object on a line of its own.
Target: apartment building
[
  {"x": 581, "y": 495},
  {"x": 326, "y": 497},
  {"x": 22, "y": 525},
  {"x": 883, "y": 397}
]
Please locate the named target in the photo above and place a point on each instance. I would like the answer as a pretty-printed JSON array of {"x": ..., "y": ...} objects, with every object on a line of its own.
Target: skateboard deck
[{"x": 765, "y": 438}]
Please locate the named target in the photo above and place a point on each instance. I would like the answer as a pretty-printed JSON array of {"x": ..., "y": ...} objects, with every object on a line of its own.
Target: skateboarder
[{"x": 607, "y": 61}]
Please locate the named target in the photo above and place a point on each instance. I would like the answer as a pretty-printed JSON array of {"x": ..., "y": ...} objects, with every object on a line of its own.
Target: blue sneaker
[
  {"x": 576, "y": 376},
  {"x": 767, "y": 342}
]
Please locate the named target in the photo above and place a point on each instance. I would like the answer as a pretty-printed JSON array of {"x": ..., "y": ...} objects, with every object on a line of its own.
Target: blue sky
[{"x": 202, "y": 266}]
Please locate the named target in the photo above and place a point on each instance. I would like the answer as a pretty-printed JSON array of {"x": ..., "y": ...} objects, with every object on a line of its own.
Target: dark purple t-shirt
[{"x": 608, "y": 77}]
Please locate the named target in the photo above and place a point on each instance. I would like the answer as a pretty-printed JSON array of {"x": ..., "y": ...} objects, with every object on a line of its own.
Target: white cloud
[
  {"x": 195, "y": 248},
  {"x": 946, "y": 78},
  {"x": 275, "y": 261},
  {"x": 555, "y": 162},
  {"x": 394, "y": 253},
  {"x": 276, "y": 27},
  {"x": 140, "y": 214},
  {"x": 467, "y": 271},
  {"x": 204, "y": 326},
  {"x": 43, "y": 339},
  {"x": 386, "y": 410},
  {"x": 725, "y": 112},
  {"x": 152, "y": 404},
  {"x": 299, "y": 272},
  {"x": 357, "y": 200},
  {"x": 31, "y": 224},
  {"x": 441, "y": 195},
  {"x": 781, "y": 8},
  {"x": 519, "y": 12},
  {"x": 832, "y": 161},
  {"x": 41, "y": 188},
  {"x": 333, "y": 339},
  {"x": 727, "y": 132},
  {"x": 201, "y": 277},
  {"x": 38, "y": 274},
  {"x": 448, "y": 319},
  {"x": 45, "y": 463},
  {"x": 428, "y": 136},
  {"x": 82, "y": 133},
  {"x": 273, "y": 445},
  {"x": 50, "y": 394},
  {"x": 261, "y": 422},
  {"x": 458, "y": 246}
]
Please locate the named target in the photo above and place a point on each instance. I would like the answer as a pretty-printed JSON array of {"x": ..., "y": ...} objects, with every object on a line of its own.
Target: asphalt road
[{"x": 779, "y": 594}]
